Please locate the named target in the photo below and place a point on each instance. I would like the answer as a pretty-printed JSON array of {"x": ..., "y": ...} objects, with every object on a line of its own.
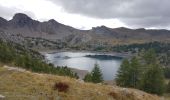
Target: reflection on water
[{"x": 85, "y": 61}]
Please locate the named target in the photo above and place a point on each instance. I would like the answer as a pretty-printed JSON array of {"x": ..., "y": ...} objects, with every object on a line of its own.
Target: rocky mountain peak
[
  {"x": 100, "y": 27},
  {"x": 52, "y": 21},
  {"x": 21, "y": 20},
  {"x": 101, "y": 30},
  {"x": 21, "y": 16}
]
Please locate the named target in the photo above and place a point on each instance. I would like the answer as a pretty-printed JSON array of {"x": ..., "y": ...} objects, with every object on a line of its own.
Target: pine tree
[
  {"x": 135, "y": 72},
  {"x": 150, "y": 56},
  {"x": 122, "y": 78},
  {"x": 129, "y": 74},
  {"x": 87, "y": 78},
  {"x": 146, "y": 75},
  {"x": 96, "y": 74},
  {"x": 153, "y": 80}
]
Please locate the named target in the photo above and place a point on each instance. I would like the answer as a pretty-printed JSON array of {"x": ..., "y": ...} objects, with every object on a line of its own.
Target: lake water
[{"x": 86, "y": 60}]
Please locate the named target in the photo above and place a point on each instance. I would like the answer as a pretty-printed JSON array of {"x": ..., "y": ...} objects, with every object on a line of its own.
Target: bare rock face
[
  {"x": 22, "y": 20},
  {"x": 3, "y": 22},
  {"x": 23, "y": 25}
]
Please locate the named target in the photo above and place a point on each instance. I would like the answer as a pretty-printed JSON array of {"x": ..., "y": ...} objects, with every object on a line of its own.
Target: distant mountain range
[{"x": 21, "y": 27}]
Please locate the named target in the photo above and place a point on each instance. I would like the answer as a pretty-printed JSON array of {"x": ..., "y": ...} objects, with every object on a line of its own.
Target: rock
[
  {"x": 80, "y": 81},
  {"x": 2, "y": 97}
]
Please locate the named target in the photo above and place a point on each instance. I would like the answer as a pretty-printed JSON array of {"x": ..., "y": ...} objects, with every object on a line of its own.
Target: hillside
[
  {"x": 51, "y": 34},
  {"x": 19, "y": 84}
]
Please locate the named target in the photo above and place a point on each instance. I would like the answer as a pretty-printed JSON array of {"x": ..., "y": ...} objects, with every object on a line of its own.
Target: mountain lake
[{"x": 109, "y": 63}]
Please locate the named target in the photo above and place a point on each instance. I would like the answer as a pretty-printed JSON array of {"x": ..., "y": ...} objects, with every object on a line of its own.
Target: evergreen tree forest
[
  {"x": 143, "y": 72},
  {"x": 17, "y": 55}
]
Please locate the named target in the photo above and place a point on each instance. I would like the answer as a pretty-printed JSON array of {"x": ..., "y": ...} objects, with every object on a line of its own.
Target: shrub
[
  {"x": 61, "y": 87},
  {"x": 113, "y": 95}
]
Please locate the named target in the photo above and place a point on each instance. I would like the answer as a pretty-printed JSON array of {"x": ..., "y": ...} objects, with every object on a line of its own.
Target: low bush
[
  {"x": 113, "y": 95},
  {"x": 61, "y": 87}
]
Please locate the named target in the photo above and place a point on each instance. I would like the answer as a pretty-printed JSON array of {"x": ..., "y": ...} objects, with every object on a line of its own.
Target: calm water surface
[{"x": 81, "y": 60}]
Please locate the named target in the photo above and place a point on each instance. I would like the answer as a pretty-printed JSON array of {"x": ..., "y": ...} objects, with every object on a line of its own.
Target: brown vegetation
[
  {"x": 25, "y": 85},
  {"x": 61, "y": 87}
]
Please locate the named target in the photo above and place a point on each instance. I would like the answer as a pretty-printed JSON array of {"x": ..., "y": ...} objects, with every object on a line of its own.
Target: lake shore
[
  {"x": 123, "y": 55},
  {"x": 81, "y": 73}
]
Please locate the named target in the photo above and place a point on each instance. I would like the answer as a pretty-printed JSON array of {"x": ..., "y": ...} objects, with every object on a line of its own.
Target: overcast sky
[{"x": 84, "y": 14}]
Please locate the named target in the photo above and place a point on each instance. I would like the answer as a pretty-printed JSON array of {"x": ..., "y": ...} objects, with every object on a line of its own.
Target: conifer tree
[
  {"x": 122, "y": 78},
  {"x": 96, "y": 74},
  {"x": 129, "y": 74},
  {"x": 153, "y": 80},
  {"x": 87, "y": 78},
  {"x": 134, "y": 73}
]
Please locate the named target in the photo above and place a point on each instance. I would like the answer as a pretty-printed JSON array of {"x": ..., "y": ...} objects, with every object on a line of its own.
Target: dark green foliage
[
  {"x": 146, "y": 75},
  {"x": 87, "y": 78},
  {"x": 134, "y": 72},
  {"x": 123, "y": 74},
  {"x": 157, "y": 46},
  {"x": 6, "y": 54},
  {"x": 168, "y": 87},
  {"x": 30, "y": 60},
  {"x": 95, "y": 76},
  {"x": 128, "y": 74},
  {"x": 150, "y": 57},
  {"x": 153, "y": 80},
  {"x": 167, "y": 72}
]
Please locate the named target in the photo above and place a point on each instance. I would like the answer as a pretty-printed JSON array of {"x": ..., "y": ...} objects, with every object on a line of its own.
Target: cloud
[
  {"x": 137, "y": 13},
  {"x": 8, "y": 12}
]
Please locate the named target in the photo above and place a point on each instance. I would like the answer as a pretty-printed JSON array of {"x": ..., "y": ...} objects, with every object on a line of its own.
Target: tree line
[
  {"x": 17, "y": 55},
  {"x": 143, "y": 72}
]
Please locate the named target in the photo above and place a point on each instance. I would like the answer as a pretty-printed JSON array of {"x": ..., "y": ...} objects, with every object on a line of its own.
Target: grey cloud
[
  {"x": 140, "y": 13},
  {"x": 8, "y": 12}
]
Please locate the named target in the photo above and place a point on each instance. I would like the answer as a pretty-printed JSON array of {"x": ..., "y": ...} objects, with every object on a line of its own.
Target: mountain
[
  {"x": 21, "y": 28},
  {"x": 25, "y": 30},
  {"x": 24, "y": 25}
]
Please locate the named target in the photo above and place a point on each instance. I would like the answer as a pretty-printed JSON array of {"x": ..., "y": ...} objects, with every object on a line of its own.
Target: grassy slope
[{"x": 25, "y": 85}]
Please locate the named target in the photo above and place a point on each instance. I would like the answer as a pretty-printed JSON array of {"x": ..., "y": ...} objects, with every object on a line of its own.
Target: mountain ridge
[{"x": 51, "y": 30}]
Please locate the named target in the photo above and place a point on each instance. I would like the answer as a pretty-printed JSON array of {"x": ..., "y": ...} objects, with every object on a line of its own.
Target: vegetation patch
[
  {"x": 17, "y": 55},
  {"x": 61, "y": 87},
  {"x": 142, "y": 72},
  {"x": 113, "y": 94}
]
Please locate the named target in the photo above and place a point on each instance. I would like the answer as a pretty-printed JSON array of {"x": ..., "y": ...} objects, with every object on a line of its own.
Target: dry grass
[
  {"x": 167, "y": 96},
  {"x": 16, "y": 85}
]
